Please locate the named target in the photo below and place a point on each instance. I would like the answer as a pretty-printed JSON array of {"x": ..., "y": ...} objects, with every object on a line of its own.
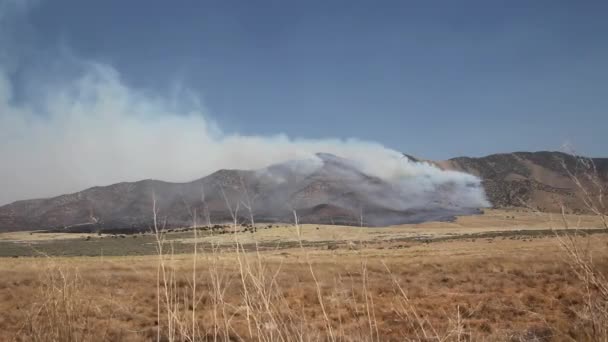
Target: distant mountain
[
  {"x": 328, "y": 190},
  {"x": 541, "y": 180}
]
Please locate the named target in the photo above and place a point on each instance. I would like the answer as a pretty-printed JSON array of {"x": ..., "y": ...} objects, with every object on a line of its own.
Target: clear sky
[{"x": 434, "y": 78}]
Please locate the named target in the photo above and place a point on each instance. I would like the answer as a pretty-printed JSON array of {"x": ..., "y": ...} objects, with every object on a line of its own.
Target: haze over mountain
[
  {"x": 326, "y": 189},
  {"x": 92, "y": 94},
  {"x": 70, "y": 120}
]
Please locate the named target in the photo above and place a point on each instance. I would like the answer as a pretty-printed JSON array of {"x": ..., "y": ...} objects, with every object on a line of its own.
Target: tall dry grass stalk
[
  {"x": 62, "y": 310},
  {"x": 579, "y": 254},
  {"x": 264, "y": 311}
]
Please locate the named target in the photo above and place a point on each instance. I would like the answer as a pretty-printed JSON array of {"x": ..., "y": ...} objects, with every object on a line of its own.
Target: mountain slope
[
  {"x": 328, "y": 190},
  {"x": 541, "y": 180}
]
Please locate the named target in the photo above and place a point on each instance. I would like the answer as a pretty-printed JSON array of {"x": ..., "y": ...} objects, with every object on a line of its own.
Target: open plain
[{"x": 504, "y": 275}]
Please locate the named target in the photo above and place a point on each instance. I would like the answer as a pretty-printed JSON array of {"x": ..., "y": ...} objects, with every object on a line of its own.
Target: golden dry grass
[
  {"x": 492, "y": 220},
  {"x": 33, "y": 236},
  {"x": 490, "y": 289}
]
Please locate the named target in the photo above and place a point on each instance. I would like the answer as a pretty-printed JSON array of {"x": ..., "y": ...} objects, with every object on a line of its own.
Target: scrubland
[{"x": 506, "y": 288}]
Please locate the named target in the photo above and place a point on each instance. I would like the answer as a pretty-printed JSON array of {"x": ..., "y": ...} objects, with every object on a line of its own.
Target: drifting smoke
[
  {"x": 91, "y": 129},
  {"x": 421, "y": 193}
]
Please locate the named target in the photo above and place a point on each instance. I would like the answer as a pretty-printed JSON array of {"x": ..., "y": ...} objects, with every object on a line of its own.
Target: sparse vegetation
[
  {"x": 498, "y": 290},
  {"x": 448, "y": 290}
]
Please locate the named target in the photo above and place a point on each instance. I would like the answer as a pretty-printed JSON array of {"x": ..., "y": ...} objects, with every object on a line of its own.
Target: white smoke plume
[{"x": 91, "y": 129}]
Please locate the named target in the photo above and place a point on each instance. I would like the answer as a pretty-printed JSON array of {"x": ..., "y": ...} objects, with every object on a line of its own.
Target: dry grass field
[
  {"x": 39, "y": 236},
  {"x": 504, "y": 288},
  {"x": 491, "y": 221}
]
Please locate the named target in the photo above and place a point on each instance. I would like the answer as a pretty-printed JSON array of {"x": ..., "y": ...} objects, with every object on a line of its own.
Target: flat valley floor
[{"x": 501, "y": 276}]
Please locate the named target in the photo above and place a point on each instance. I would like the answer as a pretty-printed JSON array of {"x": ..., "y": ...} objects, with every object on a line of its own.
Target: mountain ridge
[
  {"x": 331, "y": 190},
  {"x": 539, "y": 180}
]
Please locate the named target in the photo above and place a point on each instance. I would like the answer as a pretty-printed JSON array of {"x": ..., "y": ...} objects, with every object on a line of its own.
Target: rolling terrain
[
  {"x": 330, "y": 191},
  {"x": 334, "y": 191},
  {"x": 539, "y": 180}
]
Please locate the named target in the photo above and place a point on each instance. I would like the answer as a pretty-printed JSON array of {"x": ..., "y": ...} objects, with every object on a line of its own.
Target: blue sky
[{"x": 436, "y": 79}]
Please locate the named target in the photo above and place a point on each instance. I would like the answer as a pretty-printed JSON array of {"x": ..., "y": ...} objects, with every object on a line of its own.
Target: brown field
[
  {"x": 507, "y": 288},
  {"x": 492, "y": 220},
  {"x": 40, "y": 236}
]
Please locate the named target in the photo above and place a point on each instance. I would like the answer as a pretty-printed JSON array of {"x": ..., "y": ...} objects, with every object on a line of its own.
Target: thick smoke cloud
[{"x": 91, "y": 129}]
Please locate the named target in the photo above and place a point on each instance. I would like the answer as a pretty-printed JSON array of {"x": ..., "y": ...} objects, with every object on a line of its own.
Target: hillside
[
  {"x": 540, "y": 180},
  {"x": 331, "y": 190}
]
